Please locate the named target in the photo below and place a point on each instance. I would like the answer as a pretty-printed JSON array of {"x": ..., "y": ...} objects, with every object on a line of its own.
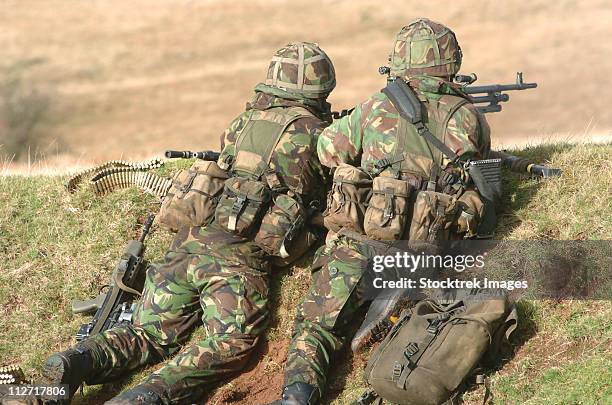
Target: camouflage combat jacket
[
  {"x": 294, "y": 160},
  {"x": 370, "y": 133}
]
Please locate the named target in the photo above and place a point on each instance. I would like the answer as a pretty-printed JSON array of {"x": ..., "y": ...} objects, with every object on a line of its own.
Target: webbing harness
[
  {"x": 409, "y": 107},
  {"x": 254, "y": 148}
]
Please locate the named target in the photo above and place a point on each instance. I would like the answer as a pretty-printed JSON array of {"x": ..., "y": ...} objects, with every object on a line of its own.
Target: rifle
[
  {"x": 185, "y": 154},
  {"x": 115, "y": 306}
]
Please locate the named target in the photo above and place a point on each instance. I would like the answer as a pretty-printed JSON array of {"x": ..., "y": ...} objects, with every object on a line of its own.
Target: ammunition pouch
[
  {"x": 433, "y": 216},
  {"x": 193, "y": 197},
  {"x": 471, "y": 210},
  {"x": 242, "y": 205},
  {"x": 387, "y": 213},
  {"x": 280, "y": 226},
  {"x": 348, "y": 199}
]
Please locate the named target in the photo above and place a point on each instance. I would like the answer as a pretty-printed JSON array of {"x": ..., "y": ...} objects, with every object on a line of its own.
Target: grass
[{"x": 56, "y": 246}]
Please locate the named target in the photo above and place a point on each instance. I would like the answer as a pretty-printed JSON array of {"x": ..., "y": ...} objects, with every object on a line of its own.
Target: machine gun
[
  {"x": 185, "y": 154},
  {"x": 490, "y": 95},
  {"x": 115, "y": 306}
]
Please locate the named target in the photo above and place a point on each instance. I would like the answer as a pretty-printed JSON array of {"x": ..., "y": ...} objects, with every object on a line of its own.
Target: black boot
[
  {"x": 299, "y": 393},
  {"x": 379, "y": 318},
  {"x": 71, "y": 367},
  {"x": 140, "y": 394}
]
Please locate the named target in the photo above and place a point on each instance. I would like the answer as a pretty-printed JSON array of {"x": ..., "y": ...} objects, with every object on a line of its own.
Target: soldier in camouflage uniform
[
  {"x": 211, "y": 277},
  {"x": 427, "y": 56}
]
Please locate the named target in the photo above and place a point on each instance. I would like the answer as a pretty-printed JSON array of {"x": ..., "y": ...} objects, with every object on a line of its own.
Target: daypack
[{"x": 433, "y": 349}]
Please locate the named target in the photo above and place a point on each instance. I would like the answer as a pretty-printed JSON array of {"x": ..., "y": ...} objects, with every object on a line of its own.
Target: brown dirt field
[
  {"x": 134, "y": 78},
  {"x": 261, "y": 383}
]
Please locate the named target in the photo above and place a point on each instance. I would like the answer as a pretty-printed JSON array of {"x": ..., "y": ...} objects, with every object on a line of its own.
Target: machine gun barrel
[
  {"x": 494, "y": 88},
  {"x": 185, "y": 154},
  {"x": 491, "y": 95},
  {"x": 522, "y": 165}
]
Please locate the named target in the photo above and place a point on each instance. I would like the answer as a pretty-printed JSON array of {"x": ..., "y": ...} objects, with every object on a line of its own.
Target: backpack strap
[
  {"x": 407, "y": 104},
  {"x": 415, "y": 350}
]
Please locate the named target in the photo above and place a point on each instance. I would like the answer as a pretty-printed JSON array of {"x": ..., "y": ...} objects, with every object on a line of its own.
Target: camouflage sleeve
[
  {"x": 297, "y": 160},
  {"x": 468, "y": 133},
  {"x": 341, "y": 141},
  {"x": 228, "y": 137}
]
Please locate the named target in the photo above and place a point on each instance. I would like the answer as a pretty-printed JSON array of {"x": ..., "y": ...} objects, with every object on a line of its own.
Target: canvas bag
[
  {"x": 434, "y": 348},
  {"x": 193, "y": 196}
]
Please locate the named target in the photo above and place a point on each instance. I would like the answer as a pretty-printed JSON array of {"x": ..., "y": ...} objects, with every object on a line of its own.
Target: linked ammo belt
[{"x": 117, "y": 174}]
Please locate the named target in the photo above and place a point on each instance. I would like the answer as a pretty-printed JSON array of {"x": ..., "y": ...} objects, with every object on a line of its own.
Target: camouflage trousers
[
  {"x": 188, "y": 290},
  {"x": 333, "y": 300}
]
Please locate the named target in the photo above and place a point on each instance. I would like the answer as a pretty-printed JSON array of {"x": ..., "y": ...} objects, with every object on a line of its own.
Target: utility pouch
[
  {"x": 242, "y": 205},
  {"x": 348, "y": 199},
  {"x": 280, "y": 226},
  {"x": 471, "y": 210},
  {"x": 433, "y": 215},
  {"x": 387, "y": 213},
  {"x": 193, "y": 197}
]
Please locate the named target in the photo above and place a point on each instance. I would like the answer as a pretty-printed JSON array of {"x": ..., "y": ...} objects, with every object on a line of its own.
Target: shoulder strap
[
  {"x": 260, "y": 136},
  {"x": 408, "y": 105}
]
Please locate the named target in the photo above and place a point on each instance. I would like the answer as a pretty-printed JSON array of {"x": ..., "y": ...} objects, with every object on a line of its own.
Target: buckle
[
  {"x": 239, "y": 204},
  {"x": 397, "y": 371},
  {"x": 411, "y": 350},
  {"x": 434, "y": 326},
  {"x": 388, "y": 213}
]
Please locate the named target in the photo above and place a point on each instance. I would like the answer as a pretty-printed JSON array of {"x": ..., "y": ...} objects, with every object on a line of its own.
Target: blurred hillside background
[{"x": 85, "y": 81}]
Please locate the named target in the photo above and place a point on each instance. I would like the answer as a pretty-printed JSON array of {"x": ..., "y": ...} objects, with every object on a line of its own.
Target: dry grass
[{"x": 134, "y": 78}]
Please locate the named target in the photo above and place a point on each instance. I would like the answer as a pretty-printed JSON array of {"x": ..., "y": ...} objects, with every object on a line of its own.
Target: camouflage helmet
[
  {"x": 302, "y": 68},
  {"x": 425, "y": 47}
]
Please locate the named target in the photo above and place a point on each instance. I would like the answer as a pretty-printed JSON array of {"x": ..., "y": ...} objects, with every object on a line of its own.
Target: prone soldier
[
  {"x": 414, "y": 171},
  {"x": 217, "y": 276}
]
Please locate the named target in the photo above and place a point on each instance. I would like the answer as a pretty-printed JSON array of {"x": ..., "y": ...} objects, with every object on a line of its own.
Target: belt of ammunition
[{"x": 117, "y": 174}]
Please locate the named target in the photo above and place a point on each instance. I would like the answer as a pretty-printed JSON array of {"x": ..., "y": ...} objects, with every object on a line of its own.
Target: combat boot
[
  {"x": 71, "y": 367},
  {"x": 140, "y": 394},
  {"x": 299, "y": 393},
  {"x": 380, "y": 318}
]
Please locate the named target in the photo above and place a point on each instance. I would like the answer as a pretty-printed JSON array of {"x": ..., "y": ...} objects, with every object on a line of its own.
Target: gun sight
[{"x": 384, "y": 70}]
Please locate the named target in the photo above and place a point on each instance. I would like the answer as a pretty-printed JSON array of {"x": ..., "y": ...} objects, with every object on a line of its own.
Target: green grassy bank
[{"x": 56, "y": 246}]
